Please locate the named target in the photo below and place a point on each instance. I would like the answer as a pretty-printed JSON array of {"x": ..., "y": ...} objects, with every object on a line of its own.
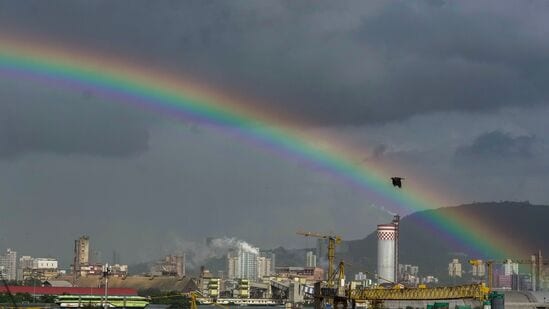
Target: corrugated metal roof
[{"x": 42, "y": 290}]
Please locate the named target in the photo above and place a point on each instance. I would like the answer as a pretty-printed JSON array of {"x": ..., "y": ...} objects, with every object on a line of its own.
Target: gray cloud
[
  {"x": 357, "y": 63},
  {"x": 497, "y": 144},
  {"x": 51, "y": 121}
]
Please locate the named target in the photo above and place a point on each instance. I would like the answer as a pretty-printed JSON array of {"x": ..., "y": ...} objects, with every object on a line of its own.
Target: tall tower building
[
  {"x": 263, "y": 266},
  {"x": 310, "y": 259},
  {"x": 242, "y": 263},
  {"x": 232, "y": 266},
  {"x": 386, "y": 251},
  {"x": 81, "y": 253},
  {"x": 8, "y": 265},
  {"x": 321, "y": 249}
]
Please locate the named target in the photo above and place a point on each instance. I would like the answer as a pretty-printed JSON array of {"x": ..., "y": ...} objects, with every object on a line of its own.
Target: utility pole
[{"x": 106, "y": 273}]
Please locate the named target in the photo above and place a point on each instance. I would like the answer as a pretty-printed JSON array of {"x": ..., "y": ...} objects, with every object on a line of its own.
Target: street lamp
[
  {"x": 106, "y": 273},
  {"x": 33, "y": 275}
]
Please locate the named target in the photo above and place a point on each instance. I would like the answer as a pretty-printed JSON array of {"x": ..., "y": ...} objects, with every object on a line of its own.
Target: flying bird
[{"x": 397, "y": 181}]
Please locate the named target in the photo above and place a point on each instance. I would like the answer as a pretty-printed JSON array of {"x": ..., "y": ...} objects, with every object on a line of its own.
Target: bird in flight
[{"x": 397, "y": 181}]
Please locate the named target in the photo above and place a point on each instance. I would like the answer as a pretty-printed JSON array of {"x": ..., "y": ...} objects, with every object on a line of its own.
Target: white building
[
  {"x": 37, "y": 268},
  {"x": 408, "y": 269},
  {"x": 44, "y": 263},
  {"x": 479, "y": 269},
  {"x": 242, "y": 263},
  {"x": 8, "y": 263},
  {"x": 510, "y": 268},
  {"x": 360, "y": 276},
  {"x": 263, "y": 266},
  {"x": 454, "y": 269},
  {"x": 429, "y": 279},
  {"x": 310, "y": 259}
]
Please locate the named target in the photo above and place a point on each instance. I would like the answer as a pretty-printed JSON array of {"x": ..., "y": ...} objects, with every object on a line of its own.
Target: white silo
[{"x": 386, "y": 247}]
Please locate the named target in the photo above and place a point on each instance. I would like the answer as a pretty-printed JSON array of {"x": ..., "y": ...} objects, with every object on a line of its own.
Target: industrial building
[
  {"x": 81, "y": 256},
  {"x": 307, "y": 273},
  {"x": 37, "y": 268},
  {"x": 171, "y": 265},
  {"x": 387, "y": 251}
]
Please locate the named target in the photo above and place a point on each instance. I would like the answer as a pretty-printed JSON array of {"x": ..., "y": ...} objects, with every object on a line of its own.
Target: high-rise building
[
  {"x": 454, "y": 269},
  {"x": 321, "y": 250},
  {"x": 8, "y": 265},
  {"x": 242, "y": 263},
  {"x": 81, "y": 252},
  {"x": 248, "y": 264},
  {"x": 232, "y": 266},
  {"x": 263, "y": 266},
  {"x": 310, "y": 259},
  {"x": 269, "y": 254}
]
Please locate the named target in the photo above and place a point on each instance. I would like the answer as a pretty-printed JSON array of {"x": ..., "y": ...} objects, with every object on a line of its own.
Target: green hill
[{"x": 519, "y": 222}]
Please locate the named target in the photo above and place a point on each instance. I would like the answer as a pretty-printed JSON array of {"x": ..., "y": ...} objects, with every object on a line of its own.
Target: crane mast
[{"x": 333, "y": 240}]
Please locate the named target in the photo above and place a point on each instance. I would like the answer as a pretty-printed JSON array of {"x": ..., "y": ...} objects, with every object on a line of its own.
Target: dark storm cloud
[
  {"x": 337, "y": 63},
  {"x": 497, "y": 144},
  {"x": 52, "y": 122}
]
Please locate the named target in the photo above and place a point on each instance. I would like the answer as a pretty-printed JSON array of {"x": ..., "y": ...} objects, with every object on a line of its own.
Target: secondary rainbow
[{"x": 130, "y": 83}]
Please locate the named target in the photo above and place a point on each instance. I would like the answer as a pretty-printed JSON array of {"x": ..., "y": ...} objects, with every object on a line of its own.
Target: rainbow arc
[{"x": 128, "y": 83}]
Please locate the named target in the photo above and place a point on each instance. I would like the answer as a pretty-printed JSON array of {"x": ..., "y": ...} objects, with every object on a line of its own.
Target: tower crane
[{"x": 333, "y": 240}]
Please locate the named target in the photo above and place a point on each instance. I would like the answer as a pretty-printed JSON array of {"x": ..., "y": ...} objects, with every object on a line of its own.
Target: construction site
[{"x": 389, "y": 292}]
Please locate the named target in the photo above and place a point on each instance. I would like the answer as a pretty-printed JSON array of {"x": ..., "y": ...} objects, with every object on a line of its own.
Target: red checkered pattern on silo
[{"x": 383, "y": 235}]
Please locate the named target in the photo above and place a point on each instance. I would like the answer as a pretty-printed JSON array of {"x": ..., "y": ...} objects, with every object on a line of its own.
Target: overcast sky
[{"x": 454, "y": 91}]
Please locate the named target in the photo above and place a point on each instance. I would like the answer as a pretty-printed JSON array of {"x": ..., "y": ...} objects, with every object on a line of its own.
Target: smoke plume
[{"x": 198, "y": 253}]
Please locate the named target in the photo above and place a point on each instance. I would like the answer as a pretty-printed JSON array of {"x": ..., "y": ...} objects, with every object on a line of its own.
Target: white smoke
[
  {"x": 232, "y": 243},
  {"x": 198, "y": 253},
  {"x": 382, "y": 208}
]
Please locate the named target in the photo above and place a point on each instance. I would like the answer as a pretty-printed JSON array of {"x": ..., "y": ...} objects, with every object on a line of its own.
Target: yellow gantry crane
[
  {"x": 333, "y": 240},
  {"x": 471, "y": 291}
]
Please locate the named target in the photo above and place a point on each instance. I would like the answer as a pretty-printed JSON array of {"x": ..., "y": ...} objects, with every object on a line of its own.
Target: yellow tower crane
[{"x": 333, "y": 240}]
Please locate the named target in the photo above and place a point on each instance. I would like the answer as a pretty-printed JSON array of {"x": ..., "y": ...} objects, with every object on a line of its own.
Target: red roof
[{"x": 42, "y": 290}]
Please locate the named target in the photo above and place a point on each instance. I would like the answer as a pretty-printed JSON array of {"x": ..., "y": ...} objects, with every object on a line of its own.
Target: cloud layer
[{"x": 358, "y": 63}]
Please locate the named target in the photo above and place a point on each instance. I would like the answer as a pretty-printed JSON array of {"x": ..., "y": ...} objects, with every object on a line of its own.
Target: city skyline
[{"x": 459, "y": 112}]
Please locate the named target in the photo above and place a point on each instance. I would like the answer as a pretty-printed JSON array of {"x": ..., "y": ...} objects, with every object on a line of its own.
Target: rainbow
[{"x": 160, "y": 91}]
